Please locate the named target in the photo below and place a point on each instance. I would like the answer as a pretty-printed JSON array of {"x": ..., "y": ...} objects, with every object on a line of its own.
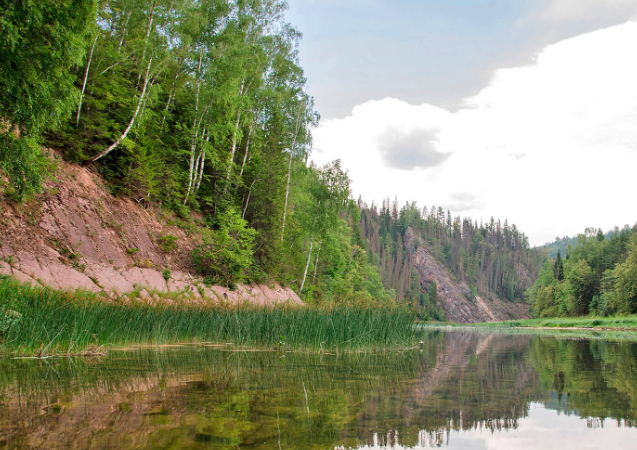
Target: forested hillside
[
  {"x": 493, "y": 259},
  {"x": 598, "y": 276},
  {"x": 199, "y": 106}
]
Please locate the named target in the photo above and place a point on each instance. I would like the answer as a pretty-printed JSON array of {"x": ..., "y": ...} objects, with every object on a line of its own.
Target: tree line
[{"x": 598, "y": 276}]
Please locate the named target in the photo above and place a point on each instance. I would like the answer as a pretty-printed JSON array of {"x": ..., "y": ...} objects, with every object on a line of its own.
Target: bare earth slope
[
  {"x": 78, "y": 236},
  {"x": 455, "y": 296}
]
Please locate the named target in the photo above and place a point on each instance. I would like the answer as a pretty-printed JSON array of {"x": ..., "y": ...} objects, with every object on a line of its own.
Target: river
[{"x": 457, "y": 390}]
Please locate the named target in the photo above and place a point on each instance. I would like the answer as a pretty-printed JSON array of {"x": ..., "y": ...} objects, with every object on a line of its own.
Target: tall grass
[{"x": 59, "y": 322}]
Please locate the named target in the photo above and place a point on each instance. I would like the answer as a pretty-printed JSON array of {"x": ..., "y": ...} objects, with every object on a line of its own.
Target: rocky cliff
[
  {"x": 454, "y": 295},
  {"x": 78, "y": 236}
]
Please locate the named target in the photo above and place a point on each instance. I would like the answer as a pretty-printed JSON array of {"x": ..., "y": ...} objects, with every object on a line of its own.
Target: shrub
[
  {"x": 226, "y": 254},
  {"x": 167, "y": 242}
]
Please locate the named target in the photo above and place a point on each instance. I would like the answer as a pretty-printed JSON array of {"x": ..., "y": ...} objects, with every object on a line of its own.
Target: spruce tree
[{"x": 559, "y": 267}]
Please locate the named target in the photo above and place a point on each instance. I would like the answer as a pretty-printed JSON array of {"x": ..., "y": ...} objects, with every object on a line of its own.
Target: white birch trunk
[
  {"x": 150, "y": 88},
  {"x": 203, "y": 162},
  {"x": 115, "y": 65},
  {"x": 88, "y": 66},
  {"x": 132, "y": 121},
  {"x": 234, "y": 141},
  {"x": 124, "y": 31},
  {"x": 193, "y": 149},
  {"x": 248, "y": 200},
  {"x": 148, "y": 30},
  {"x": 196, "y": 167},
  {"x": 193, "y": 144},
  {"x": 287, "y": 188},
  {"x": 245, "y": 157},
  {"x": 309, "y": 255},
  {"x": 287, "y": 194}
]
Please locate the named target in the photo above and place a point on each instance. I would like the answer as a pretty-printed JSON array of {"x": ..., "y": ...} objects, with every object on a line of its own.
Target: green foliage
[
  {"x": 40, "y": 43},
  {"x": 167, "y": 242},
  {"x": 167, "y": 274},
  {"x": 492, "y": 258},
  {"x": 22, "y": 160},
  {"x": 626, "y": 280},
  {"x": 599, "y": 278},
  {"x": 198, "y": 106},
  {"x": 72, "y": 322},
  {"x": 559, "y": 267},
  {"x": 226, "y": 254},
  {"x": 581, "y": 286},
  {"x": 9, "y": 319}
]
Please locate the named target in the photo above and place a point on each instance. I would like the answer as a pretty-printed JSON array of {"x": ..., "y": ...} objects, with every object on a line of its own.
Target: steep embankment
[
  {"x": 454, "y": 296},
  {"x": 78, "y": 236}
]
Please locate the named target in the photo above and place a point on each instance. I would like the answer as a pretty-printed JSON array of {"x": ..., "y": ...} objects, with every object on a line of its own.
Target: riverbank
[
  {"x": 620, "y": 323},
  {"x": 42, "y": 321}
]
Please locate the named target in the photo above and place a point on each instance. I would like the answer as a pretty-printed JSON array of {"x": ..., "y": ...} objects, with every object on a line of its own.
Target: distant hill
[{"x": 561, "y": 244}]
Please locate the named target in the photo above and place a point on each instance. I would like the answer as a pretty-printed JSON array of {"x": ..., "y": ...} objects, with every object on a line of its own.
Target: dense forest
[
  {"x": 492, "y": 258},
  {"x": 598, "y": 276},
  {"x": 193, "y": 105}
]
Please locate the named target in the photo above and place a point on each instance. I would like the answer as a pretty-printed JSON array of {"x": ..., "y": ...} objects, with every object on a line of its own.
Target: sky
[
  {"x": 540, "y": 429},
  {"x": 523, "y": 110}
]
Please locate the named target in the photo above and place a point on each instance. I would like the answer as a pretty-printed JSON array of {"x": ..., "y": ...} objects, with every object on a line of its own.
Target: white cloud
[
  {"x": 588, "y": 10},
  {"x": 551, "y": 146}
]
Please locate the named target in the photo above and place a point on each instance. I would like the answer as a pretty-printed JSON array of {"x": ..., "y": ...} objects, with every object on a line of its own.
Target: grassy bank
[
  {"x": 599, "y": 323},
  {"x": 514, "y": 328},
  {"x": 44, "y": 321}
]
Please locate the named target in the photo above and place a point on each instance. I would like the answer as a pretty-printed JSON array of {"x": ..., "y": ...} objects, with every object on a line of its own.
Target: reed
[{"x": 38, "y": 321}]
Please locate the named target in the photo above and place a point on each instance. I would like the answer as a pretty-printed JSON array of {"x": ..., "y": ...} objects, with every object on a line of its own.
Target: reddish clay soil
[{"x": 76, "y": 235}]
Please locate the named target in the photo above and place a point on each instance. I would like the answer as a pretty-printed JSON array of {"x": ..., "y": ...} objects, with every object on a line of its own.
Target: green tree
[
  {"x": 40, "y": 43},
  {"x": 626, "y": 281},
  {"x": 330, "y": 191},
  {"x": 581, "y": 281},
  {"x": 559, "y": 267},
  {"x": 226, "y": 254}
]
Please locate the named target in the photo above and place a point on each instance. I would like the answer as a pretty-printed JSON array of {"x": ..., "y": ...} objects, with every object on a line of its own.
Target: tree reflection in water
[{"x": 458, "y": 388}]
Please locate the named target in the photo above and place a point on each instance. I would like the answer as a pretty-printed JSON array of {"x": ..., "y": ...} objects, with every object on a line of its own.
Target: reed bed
[{"x": 36, "y": 321}]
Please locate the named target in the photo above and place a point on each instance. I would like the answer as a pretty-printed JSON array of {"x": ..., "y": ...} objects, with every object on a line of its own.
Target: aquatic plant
[{"x": 54, "y": 322}]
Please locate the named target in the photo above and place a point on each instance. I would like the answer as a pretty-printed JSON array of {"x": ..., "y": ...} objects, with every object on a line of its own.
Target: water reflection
[
  {"x": 459, "y": 390},
  {"x": 540, "y": 429}
]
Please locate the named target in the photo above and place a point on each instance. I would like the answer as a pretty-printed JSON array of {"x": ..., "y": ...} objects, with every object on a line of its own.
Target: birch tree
[{"x": 330, "y": 191}]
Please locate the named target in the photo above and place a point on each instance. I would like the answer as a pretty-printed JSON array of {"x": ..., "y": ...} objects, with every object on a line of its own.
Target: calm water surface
[{"x": 459, "y": 390}]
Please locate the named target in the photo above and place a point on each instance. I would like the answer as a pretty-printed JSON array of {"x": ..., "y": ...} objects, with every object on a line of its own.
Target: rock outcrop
[
  {"x": 78, "y": 236},
  {"x": 454, "y": 296}
]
